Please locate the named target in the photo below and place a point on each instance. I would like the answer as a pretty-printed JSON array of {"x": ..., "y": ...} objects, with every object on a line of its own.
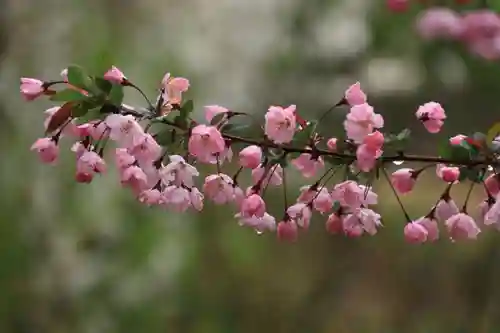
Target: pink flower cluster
[
  {"x": 478, "y": 30},
  {"x": 158, "y": 177}
]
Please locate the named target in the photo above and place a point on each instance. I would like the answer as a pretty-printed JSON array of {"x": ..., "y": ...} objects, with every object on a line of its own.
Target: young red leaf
[{"x": 60, "y": 117}]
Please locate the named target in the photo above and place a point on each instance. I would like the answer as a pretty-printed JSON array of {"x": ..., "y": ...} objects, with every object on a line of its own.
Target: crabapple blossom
[
  {"x": 212, "y": 110},
  {"x": 47, "y": 149},
  {"x": 361, "y": 121},
  {"x": 354, "y": 95},
  {"x": 205, "y": 141},
  {"x": 250, "y": 157},
  {"x": 31, "y": 88},
  {"x": 115, "y": 75},
  {"x": 287, "y": 231},
  {"x": 415, "y": 233},
  {"x": 308, "y": 164},
  {"x": 280, "y": 123},
  {"x": 462, "y": 226},
  {"x": 404, "y": 180},
  {"x": 432, "y": 115}
]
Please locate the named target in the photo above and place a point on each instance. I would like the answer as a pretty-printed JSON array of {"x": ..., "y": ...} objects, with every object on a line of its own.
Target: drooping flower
[
  {"x": 250, "y": 157},
  {"x": 115, "y": 75},
  {"x": 280, "y": 124},
  {"x": 47, "y": 149},
  {"x": 462, "y": 226},
  {"x": 31, "y": 88},
  {"x": 432, "y": 115}
]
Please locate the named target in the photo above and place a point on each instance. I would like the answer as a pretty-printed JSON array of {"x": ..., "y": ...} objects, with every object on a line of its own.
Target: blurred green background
[{"x": 88, "y": 258}]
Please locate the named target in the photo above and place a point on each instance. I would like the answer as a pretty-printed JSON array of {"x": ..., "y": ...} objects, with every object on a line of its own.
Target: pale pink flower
[
  {"x": 461, "y": 226},
  {"x": 213, "y": 110},
  {"x": 323, "y": 201},
  {"x": 432, "y": 115},
  {"x": 259, "y": 224},
  {"x": 332, "y": 144},
  {"x": 146, "y": 149},
  {"x": 219, "y": 188},
  {"x": 403, "y": 180},
  {"x": 361, "y": 121},
  {"x": 124, "y": 130},
  {"x": 253, "y": 205},
  {"x": 83, "y": 130},
  {"x": 334, "y": 224},
  {"x": 239, "y": 196},
  {"x": 492, "y": 183},
  {"x": 374, "y": 140},
  {"x": 446, "y": 208},
  {"x": 349, "y": 194},
  {"x": 308, "y": 165},
  {"x": 47, "y": 150},
  {"x": 31, "y": 88},
  {"x": 366, "y": 157},
  {"x": 173, "y": 88},
  {"x": 176, "y": 198},
  {"x": 447, "y": 173},
  {"x": 364, "y": 217},
  {"x": 178, "y": 172},
  {"x": 250, "y": 157},
  {"x": 492, "y": 215},
  {"x": 100, "y": 130},
  {"x": 152, "y": 172},
  {"x": 79, "y": 148},
  {"x": 90, "y": 162},
  {"x": 352, "y": 226},
  {"x": 150, "y": 197},
  {"x": 287, "y": 231},
  {"x": 115, "y": 75},
  {"x": 205, "y": 141},
  {"x": 280, "y": 124},
  {"x": 196, "y": 198},
  {"x": 482, "y": 33},
  {"x": 369, "y": 197},
  {"x": 301, "y": 214},
  {"x": 431, "y": 226},
  {"x": 457, "y": 139},
  {"x": 439, "y": 23},
  {"x": 307, "y": 193},
  {"x": 274, "y": 176},
  {"x": 123, "y": 159},
  {"x": 354, "y": 95},
  {"x": 415, "y": 233}
]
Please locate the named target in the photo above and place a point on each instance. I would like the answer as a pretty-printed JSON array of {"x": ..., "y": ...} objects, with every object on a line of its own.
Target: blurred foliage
[{"x": 78, "y": 258}]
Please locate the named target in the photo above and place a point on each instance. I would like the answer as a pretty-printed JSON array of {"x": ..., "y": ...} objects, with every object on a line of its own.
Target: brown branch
[{"x": 140, "y": 112}]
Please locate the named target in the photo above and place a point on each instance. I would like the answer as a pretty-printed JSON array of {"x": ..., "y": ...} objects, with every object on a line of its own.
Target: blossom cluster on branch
[
  {"x": 158, "y": 151},
  {"x": 472, "y": 23}
]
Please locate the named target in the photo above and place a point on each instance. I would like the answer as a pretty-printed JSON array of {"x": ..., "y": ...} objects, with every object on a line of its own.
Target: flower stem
[{"x": 396, "y": 195}]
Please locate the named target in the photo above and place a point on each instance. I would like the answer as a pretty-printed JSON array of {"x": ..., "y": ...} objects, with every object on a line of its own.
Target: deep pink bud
[
  {"x": 287, "y": 231},
  {"x": 415, "y": 233},
  {"x": 114, "y": 75},
  {"x": 250, "y": 157},
  {"x": 403, "y": 180}
]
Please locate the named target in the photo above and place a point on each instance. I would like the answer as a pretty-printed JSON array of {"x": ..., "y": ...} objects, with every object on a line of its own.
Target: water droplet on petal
[
  {"x": 259, "y": 232},
  {"x": 398, "y": 162},
  {"x": 490, "y": 168}
]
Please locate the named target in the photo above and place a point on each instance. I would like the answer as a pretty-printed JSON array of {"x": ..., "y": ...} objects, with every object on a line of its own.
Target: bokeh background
[{"x": 88, "y": 258}]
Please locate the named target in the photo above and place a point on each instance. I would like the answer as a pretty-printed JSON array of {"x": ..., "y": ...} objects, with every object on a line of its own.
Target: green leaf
[
  {"x": 473, "y": 174},
  {"x": 80, "y": 109},
  {"x": 236, "y": 129},
  {"x": 217, "y": 118},
  {"x": 78, "y": 78},
  {"x": 186, "y": 109},
  {"x": 166, "y": 137},
  {"x": 116, "y": 94},
  {"x": 303, "y": 137},
  {"x": 403, "y": 135},
  {"x": 68, "y": 95},
  {"x": 334, "y": 160},
  {"x": 103, "y": 85},
  {"x": 458, "y": 152},
  {"x": 494, "y": 5},
  {"x": 90, "y": 115}
]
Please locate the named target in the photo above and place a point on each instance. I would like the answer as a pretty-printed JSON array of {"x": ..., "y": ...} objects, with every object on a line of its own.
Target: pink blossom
[
  {"x": 124, "y": 130},
  {"x": 446, "y": 208},
  {"x": 374, "y": 140},
  {"x": 152, "y": 172},
  {"x": 492, "y": 183},
  {"x": 461, "y": 226},
  {"x": 332, "y": 144},
  {"x": 219, "y": 188},
  {"x": 447, "y": 173},
  {"x": 146, "y": 149},
  {"x": 349, "y": 194},
  {"x": 308, "y": 165},
  {"x": 287, "y": 231},
  {"x": 369, "y": 197},
  {"x": 274, "y": 176},
  {"x": 259, "y": 224},
  {"x": 492, "y": 214},
  {"x": 366, "y": 218},
  {"x": 250, "y": 157},
  {"x": 123, "y": 159},
  {"x": 90, "y": 162},
  {"x": 334, "y": 224},
  {"x": 432, "y": 115},
  {"x": 173, "y": 88},
  {"x": 440, "y": 22},
  {"x": 115, "y": 75},
  {"x": 403, "y": 180},
  {"x": 150, "y": 197},
  {"x": 176, "y": 198},
  {"x": 47, "y": 149},
  {"x": 178, "y": 172},
  {"x": 482, "y": 33},
  {"x": 280, "y": 124},
  {"x": 253, "y": 205},
  {"x": 415, "y": 233},
  {"x": 431, "y": 226},
  {"x": 31, "y": 88},
  {"x": 196, "y": 198},
  {"x": 323, "y": 201},
  {"x": 366, "y": 157},
  {"x": 457, "y": 139},
  {"x": 307, "y": 193},
  {"x": 301, "y": 214},
  {"x": 354, "y": 95},
  {"x": 100, "y": 130},
  {"x": 205, "y": 141},
  {"x": 361, "y": 121},
  {"x": 84, "y": 178},
  {"x": 212, "y": 110}
]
